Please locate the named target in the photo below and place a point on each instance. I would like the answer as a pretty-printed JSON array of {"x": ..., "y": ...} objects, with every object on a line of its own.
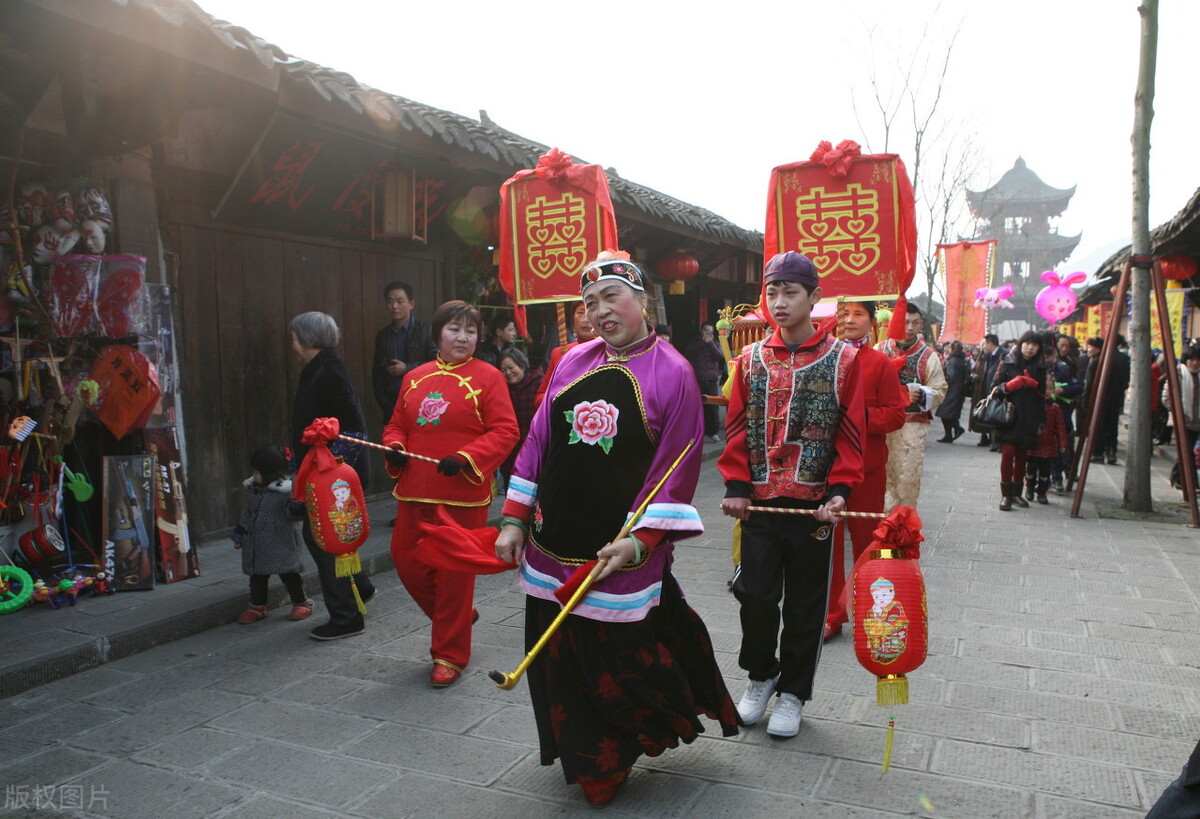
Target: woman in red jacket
[{"x": 455, "y": 408}]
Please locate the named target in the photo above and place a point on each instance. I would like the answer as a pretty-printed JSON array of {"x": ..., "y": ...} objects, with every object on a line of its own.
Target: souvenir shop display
[
  {"x": 87, "y": 371},
  {"x": 128, "y": 515}
]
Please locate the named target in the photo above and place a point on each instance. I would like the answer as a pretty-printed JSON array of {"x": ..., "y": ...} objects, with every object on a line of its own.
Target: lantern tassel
[
  {"x": 887, "y": 746},
  {"x": 892, "y": 690},
  {"x": 358, "y": 601},
  {"x": 349, "y": 565}
]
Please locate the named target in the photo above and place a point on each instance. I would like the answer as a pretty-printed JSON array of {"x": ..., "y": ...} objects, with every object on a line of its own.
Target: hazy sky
[{"x": 701, "y": 101}]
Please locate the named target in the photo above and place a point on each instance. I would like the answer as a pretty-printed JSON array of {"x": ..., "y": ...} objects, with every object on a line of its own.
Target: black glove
[
  {"x": 237, "y": 535},
  {"x": 395, "y": 458},
  {"x": 296, "y": 508},
  {"x": 451, "y": 465}
]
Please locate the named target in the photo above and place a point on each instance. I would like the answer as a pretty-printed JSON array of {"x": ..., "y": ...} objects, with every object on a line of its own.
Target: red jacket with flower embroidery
[
  {"x": 445, "y": 409},
  {"x": 796, "y": 421}
]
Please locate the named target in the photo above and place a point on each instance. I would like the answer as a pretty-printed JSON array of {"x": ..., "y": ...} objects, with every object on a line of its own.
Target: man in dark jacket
[
  {"x": 982, "y": 377},
  {"x": 403, "y": 344},
  {"x": 1110, "y": 405}
]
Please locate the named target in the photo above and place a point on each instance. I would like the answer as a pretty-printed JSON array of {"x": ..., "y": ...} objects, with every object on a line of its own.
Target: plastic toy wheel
[{"x": 16, "y": 589}]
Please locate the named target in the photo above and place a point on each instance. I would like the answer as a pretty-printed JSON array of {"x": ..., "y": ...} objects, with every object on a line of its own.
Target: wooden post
[
  {"x": 1137, "y": 466},
  {"x": 1096, "y": 394},
  {"x": 1183, "y": 453}
]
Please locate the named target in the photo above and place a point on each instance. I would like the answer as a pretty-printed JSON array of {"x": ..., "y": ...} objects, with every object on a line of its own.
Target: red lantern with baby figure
[
  {"x": 334, "y": 500},
  {"x": 891, "y": 633},
  {"x": 890, "y": 628}
]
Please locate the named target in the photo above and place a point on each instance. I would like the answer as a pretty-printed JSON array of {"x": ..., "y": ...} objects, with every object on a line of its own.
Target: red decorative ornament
[
  {"x": 1177, "y": 267},
  {"x": 333, "y": 496},
  {"x": 891, "y": 633},
  {"x": 128, "y": 389},
  {"x": 677, "y": 268}
]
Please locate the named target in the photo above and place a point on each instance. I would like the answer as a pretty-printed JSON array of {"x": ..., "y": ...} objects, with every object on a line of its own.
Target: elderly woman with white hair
[
  {"x": 631, "y": 670},
  {"x": 326, "y": 391}
]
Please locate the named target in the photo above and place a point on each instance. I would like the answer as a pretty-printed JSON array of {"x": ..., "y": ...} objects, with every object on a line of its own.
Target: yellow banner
[
  {"x": 1081, "y": 326},
  {"x": 1093, "y": 322},
  {"x": 1174, "y": 322}
]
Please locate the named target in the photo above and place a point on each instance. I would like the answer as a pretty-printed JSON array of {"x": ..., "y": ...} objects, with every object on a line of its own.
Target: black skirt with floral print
[{"x": 605, "y": 693}]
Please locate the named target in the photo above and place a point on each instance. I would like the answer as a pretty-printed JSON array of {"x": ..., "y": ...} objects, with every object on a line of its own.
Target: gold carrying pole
[{"x": 508, "y": 681}]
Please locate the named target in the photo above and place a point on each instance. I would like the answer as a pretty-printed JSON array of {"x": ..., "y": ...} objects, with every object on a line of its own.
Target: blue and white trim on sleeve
[
  {"x": 595, "y": 605},
  {"x": 521, "y": 491},
  {"x": 673, "y": 517}
]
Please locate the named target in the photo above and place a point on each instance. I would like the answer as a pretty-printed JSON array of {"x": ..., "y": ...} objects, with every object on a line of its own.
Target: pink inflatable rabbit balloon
[
  {"x": 993, "y": 297},
  {"x": 1057, "y": 300}
]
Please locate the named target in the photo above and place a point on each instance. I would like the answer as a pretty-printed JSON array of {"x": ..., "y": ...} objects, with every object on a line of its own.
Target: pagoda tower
[{"x": 1016, "y": 211}]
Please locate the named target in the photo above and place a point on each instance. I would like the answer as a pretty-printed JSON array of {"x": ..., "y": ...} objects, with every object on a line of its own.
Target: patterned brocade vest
[
  {"x": 792, "y": 418},
  {"x": 913, "y": 372}
]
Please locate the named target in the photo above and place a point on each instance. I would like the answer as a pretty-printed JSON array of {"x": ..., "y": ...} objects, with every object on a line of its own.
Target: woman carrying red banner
[
  {"x": 459, "y": 405},
  {"x": 630, "y": 671}
]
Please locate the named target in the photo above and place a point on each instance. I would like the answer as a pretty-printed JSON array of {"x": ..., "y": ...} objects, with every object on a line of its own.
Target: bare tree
[
  {"x": 941, "y": 200},
  {"x": 946, "y": 156},
  {"x": 1137, "y": 466}
]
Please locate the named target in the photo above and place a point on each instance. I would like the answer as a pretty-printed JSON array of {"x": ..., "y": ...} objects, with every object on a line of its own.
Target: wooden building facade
[{"x": 245, "y": 176}]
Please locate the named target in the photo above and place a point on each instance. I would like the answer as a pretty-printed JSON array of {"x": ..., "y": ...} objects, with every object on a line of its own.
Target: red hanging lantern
[
  {"x": 1177, "y": 267},
  {"x": 333, "y": 497},
  {"x": 891, "y": 633},
  {"x": 677, "y": 268}
]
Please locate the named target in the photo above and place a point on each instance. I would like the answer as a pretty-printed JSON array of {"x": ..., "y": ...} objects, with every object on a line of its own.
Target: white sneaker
[
  {"x": 756, "y": 699},
  {"x": 785, "y": 719}
]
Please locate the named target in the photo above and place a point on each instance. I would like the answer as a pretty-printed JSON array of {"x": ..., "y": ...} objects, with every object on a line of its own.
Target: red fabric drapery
[
  {"x": 554, "y": 219},
  {"x": 967, "y": 267},
  {"x": 853, "y": 215}
]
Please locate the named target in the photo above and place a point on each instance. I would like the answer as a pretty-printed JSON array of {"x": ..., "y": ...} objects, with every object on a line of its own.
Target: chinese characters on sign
[
  {"x": 859, "y": 228},
  {"x": 839, "y": 230},
  {"x": 303, "y": 178},
  {"x": 555, "y": 231},
  {"x": 287, "y": 175}
]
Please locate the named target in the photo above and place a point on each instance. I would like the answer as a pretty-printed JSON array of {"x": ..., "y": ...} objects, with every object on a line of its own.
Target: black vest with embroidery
[
  {"x": 586, "y": 490},
  {"x": 811, "y": 416}
]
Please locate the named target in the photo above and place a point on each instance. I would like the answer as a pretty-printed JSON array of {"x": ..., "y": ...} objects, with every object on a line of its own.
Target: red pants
[
  {"x": 447, "y": 598},
  {"x": 866, "y": 497},
  {"x": 1012, "y": 463}
]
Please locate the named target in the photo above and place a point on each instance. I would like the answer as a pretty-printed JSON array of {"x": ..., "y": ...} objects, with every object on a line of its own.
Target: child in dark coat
[
  {"x": 1052, "y": 442},
  {"x": 266, "y": 533}
]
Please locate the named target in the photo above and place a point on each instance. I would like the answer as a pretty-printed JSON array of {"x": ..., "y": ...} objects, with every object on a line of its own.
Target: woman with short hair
[
  {"x": 455, "y": 409},
  {"x": 326, "y": 391},
  {"x": 523, "y": 384}
]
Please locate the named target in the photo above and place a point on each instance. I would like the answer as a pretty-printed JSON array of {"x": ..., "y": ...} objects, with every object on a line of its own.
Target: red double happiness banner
[
  {"x": 554, "y": 219},
  {"x": 967, "y": 267},
  {"x": 853, "y": 215}
]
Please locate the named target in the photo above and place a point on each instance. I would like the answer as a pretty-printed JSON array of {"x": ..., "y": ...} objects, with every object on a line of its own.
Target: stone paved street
[{"x": 1063, "y": 680}]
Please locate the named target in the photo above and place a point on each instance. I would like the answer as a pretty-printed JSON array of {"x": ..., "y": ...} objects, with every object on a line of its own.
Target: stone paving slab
[
  {"x": 1110, "y": 785},
  {"x": 1060, "y": 681},
  {"x": 298, "y": 773},
  {"x": 141, "y": 792},
  {"x": 418, "y": 795},
  {"x": 904, "y": 792}
]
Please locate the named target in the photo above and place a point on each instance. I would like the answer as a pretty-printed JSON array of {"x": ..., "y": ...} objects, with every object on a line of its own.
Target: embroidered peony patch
[
  {"x": 593, "y": 422},
  {"x": 432, "y": 409}
]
